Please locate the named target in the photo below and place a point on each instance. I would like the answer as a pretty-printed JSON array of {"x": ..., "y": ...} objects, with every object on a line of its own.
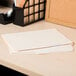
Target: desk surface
[{"x": 52, "y": 64}]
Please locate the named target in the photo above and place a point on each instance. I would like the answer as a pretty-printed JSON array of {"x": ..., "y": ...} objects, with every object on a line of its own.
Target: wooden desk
[{"x": 52, "y": 64}]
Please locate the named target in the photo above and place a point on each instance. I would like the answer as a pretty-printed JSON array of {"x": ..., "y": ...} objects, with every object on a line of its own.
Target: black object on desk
[
  {"x": 4, "y": 71},
  {"x": 32, "y": 11},
  {"x": 4, "y": 19}
]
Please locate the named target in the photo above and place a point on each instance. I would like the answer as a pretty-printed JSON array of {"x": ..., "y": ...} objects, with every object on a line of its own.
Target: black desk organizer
[{"x": 37, "y": 14}]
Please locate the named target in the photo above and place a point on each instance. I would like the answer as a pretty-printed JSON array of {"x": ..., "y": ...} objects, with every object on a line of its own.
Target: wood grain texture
[{"x": 61, "y": 12}]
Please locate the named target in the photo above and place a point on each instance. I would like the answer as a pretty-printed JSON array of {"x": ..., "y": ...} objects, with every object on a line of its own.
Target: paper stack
[{"x": 38, "y": 42}]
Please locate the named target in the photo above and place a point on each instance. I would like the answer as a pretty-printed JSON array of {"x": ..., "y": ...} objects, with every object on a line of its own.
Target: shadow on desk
[{"x": 4, "y": 71}]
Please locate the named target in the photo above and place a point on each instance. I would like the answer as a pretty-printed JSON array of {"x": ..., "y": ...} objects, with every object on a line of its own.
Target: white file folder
[{"x": 42, "y": 41}]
